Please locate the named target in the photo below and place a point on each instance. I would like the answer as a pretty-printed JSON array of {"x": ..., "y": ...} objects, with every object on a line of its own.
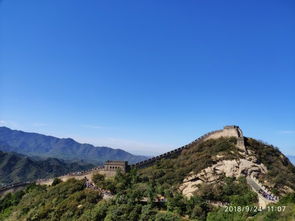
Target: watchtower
[
  {"x": 113, "y": 165},
  {"x": 229, "y": 131},
  {"x": 239, "y": 135}
]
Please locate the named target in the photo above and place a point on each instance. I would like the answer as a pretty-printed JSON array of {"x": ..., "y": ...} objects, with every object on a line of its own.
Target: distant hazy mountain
[
  {"x": 33, "y": 144},
  {"x": 292, "y": 159},
  {"x": 16, "y": 167}
]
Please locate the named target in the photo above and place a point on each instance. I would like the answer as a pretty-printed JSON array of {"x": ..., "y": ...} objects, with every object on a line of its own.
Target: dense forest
[
  {"x": 16, "y": 168},
  {"x": 134, "y": 199}
]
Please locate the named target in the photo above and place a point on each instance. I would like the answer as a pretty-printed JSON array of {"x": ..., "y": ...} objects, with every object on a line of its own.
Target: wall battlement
[
  {"x": 115, "y": 165},
  {"x": 13, "y": 187},
  {"x": 227, "y": 131}
]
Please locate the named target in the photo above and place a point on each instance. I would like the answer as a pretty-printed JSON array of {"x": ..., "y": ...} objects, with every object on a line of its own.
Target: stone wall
[
  {"x": 115, "y": 165},
  {"x": 230, "y": 131},
  {"x": 227, "y": 131},
  {"x": 13, "y": 188}
]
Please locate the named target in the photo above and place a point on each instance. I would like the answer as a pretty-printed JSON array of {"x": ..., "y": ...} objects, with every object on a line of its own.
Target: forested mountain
[
  {"x": 16, "y": 168},
  {"x": 33, "y": 144},
  {"x": 210, "y": 160},
  {"x": 199, "y": 183}
]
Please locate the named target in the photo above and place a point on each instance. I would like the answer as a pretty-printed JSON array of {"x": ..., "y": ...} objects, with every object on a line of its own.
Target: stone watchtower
[
  {"x": 230, "y": 131},
  {"x": 239, "y": 136},
  {"x": 115, "y": 165}
]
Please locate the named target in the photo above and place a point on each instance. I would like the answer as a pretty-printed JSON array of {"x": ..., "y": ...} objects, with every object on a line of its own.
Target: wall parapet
[
  {"x": 13, "y": 186},
  {"x": 171, "y": 153}
]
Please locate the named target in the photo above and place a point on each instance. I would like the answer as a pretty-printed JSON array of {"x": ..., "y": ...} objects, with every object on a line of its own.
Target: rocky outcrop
[{"x": 229, "y": 168}]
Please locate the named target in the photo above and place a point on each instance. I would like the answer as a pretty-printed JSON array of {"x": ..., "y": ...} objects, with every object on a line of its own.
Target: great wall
[
  {"x": 109, "y": 170},
  {"x": 13, "y": 187},
  {"x": 227, "y": 131},
  {"x": 265, "y": 197}
]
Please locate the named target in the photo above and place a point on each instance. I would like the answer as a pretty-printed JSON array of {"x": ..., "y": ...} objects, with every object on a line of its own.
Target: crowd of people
[
  {"x": 91, "y": 185},
  {"x": 267, "y": 195},
  {"x": 78, "y": 173}
]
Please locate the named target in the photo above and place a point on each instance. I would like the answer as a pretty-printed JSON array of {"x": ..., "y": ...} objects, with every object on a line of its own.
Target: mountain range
[
  {"x": 204, "y": 180},
  {"x": 34, "y": 144},
  {"x": 16, "y": 168}
]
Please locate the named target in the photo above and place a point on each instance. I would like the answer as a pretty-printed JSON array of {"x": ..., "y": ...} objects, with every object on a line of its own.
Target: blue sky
[{"x": 148, "y": 76}]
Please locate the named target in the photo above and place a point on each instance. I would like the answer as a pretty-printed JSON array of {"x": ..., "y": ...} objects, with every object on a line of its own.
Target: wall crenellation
[{"x": 227, "y": 131}]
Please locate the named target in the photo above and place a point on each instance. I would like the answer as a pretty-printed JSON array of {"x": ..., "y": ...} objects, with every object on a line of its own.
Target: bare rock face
[{"x": 229, "y": 168}]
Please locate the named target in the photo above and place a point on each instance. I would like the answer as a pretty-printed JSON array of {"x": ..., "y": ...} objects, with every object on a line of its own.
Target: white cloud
[{"x": 287, "y": 131}]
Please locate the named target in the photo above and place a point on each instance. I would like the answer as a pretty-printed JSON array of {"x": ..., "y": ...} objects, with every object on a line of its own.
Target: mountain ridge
[
  {"x": 15, "y": 167},
  {"x": 223, "y": 153},
  {"x": 35, "y": 144}
]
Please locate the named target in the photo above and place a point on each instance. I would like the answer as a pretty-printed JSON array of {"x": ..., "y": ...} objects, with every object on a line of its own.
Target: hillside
[
  {"x": 16, "y": 168},
  {"x": 198, "y": 181},
  {"x": 134, "y": 199},
  {"x": 33, "y": 144},
  {"x": 279, "y": 175}
]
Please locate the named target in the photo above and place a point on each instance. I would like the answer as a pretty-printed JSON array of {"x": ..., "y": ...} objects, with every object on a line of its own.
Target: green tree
[
  {"x": 98, "y": 180},
  {"x": 147, "y": 213},
  {"x": 56, "y": 181},
  {"x": 167, "y": 216}
]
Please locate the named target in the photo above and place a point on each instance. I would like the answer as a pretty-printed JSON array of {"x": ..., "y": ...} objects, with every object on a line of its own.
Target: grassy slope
[
  {"x": 196, "y": 158},
  {"x": 281, "y": 172},
  {"x": 172, "y": 171},
  {"x": 53, "y": 203}
]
